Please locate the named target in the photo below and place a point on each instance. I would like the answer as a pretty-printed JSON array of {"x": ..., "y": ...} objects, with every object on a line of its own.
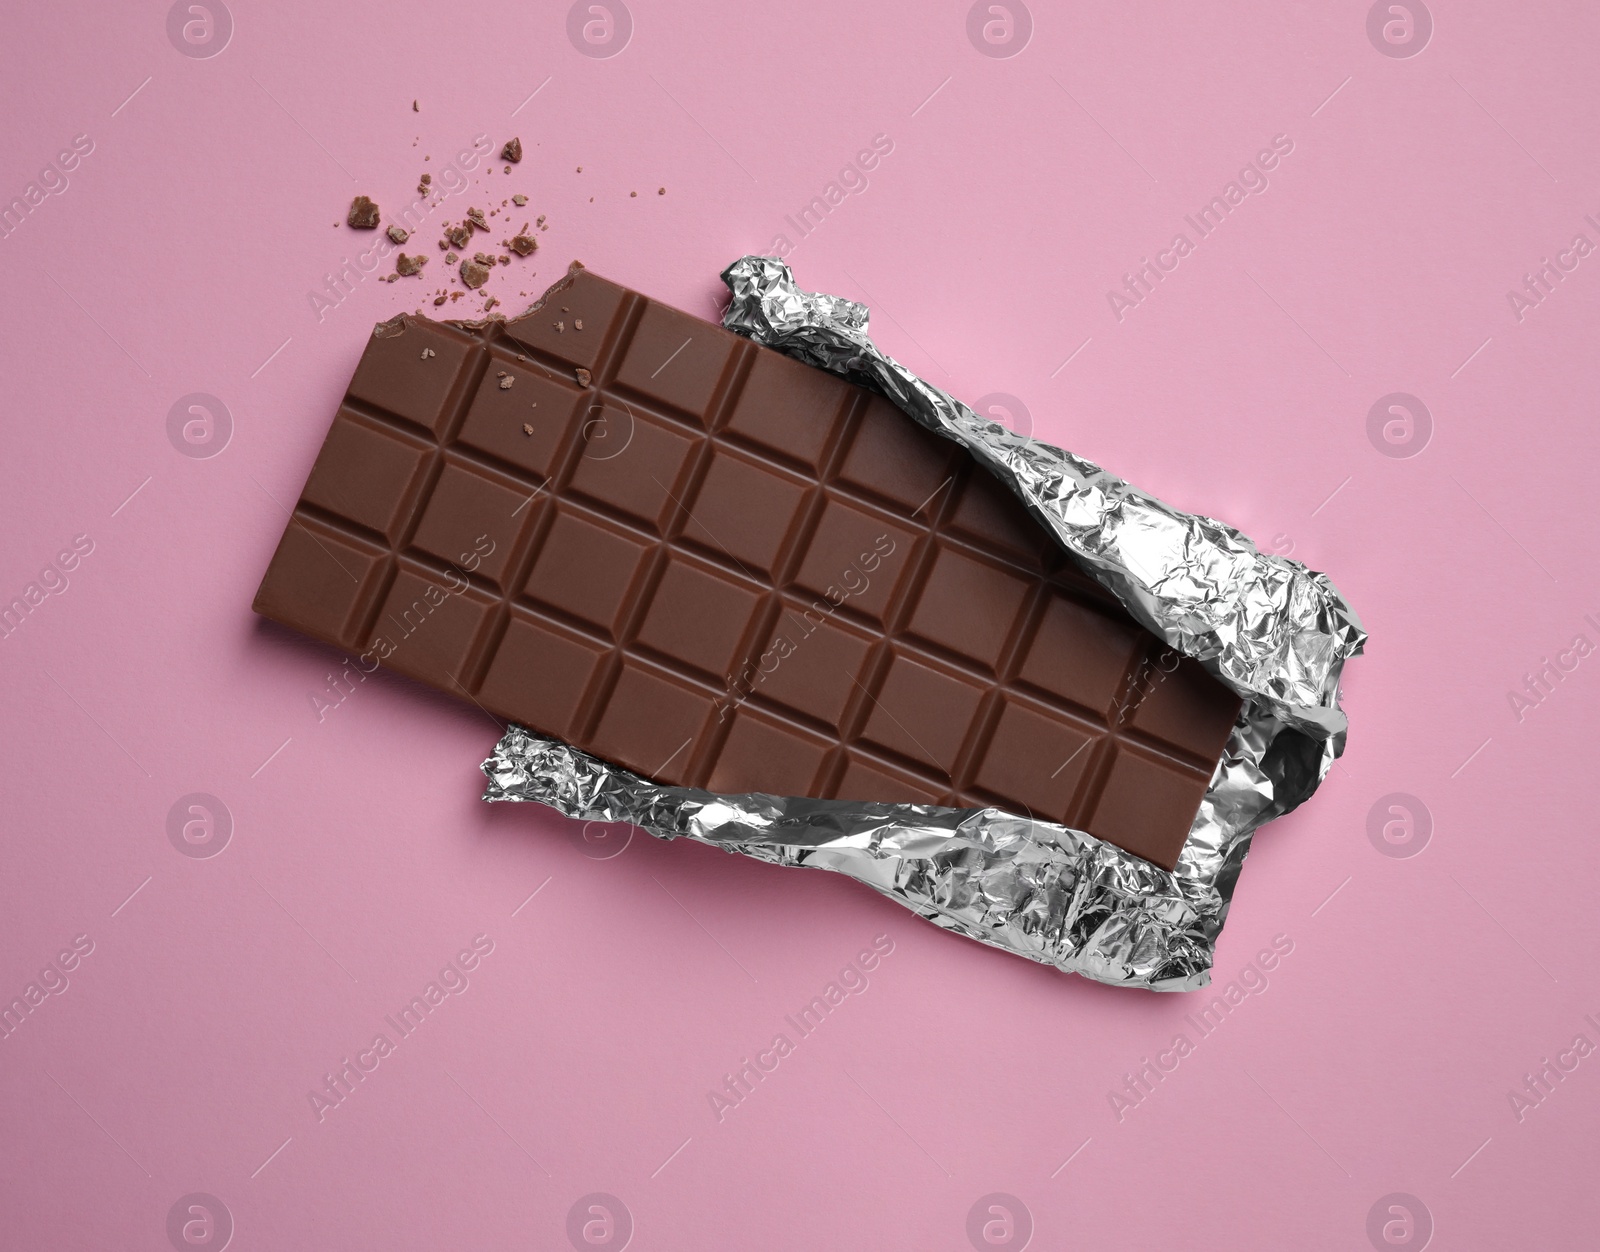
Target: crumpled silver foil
[{"x": 1271, "y": 629}]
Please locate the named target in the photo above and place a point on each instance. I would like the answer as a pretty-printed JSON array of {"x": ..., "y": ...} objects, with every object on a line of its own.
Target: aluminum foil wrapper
[{"x": 1271, "y": 629}]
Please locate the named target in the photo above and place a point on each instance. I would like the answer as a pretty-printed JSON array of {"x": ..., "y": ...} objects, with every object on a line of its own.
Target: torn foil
[{"x": 1271, "y": 629}]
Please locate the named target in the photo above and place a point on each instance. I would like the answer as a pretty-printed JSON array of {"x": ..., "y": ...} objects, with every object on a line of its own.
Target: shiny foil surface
[{"x": 1271, "y": 629}]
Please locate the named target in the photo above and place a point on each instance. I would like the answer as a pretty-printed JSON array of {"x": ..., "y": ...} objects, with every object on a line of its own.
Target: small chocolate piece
[
  {"x": 450, "y": 258},
  {"x": 523, "y": 243},
  {"x": 459, "y": 235},
  {"x": 661, "y": 191},
  {"x": 475, "y": 218},
  {"x": 519, "y": 199},
  {"x": 409, "y": 266},
  {"x": 363, "y": 214},
  {"x": 398, "y": 233},
  {"x": 506, "y": 380},
  {"x": 722, "y": 568},
  {"x": 414, "y": 108},
  {"x": 583, "y": 376},
  {"x": 474, "y": 273},
  {"x": 425, "y": 179},
  {"x": 512, "y": 151}
]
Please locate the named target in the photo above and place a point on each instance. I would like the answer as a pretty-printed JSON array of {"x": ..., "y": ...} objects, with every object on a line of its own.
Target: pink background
[{"x": 220, "y": 990}]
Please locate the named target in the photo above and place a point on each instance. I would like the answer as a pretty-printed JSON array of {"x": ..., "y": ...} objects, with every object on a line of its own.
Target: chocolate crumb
[
  {"x": 583, "y": 377},
  {"x": 560, "y": 327},
  {"x": 577, "y": 323},
  {"x": 410, "y": 266},
  {"x": 399, "y": 234},
  {"x": 459, "y": 235},
  {"x": 661, "y": 191},
  {"x": 450, "y": 258},
  {"x": 489, "y": 303},
  {"x": 438, "y": 300},
  {"x": 538, "y": 221},
  {"x": 363, "y": 214},
  {"x": 633, "y": 195},
  {"x": 512, "y": 151},
  {"x": 425, "y": 179},
  {"x": 455, "y": 295},
  {"x": 526, "y": 429},
  {"x": 427, "y": 352},
  {"x": 580, "y": 169},
  {"x": 476, "y": 218},
  {"x": 474, "y": 274},
  {"x": 505, "y": 381},
  {"x": 519, "y": 199}
]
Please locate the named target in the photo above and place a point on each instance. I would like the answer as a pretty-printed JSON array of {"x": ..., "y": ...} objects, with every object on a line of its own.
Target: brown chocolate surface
[{"x": 630, "y": 529}]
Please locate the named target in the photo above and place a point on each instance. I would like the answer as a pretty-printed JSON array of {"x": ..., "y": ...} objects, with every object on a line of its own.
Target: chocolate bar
[{"x": 694, "y": 557}]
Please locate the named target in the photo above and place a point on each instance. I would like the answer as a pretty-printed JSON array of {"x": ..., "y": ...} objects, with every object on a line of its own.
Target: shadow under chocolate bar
[{"x": 625, "y": 527}]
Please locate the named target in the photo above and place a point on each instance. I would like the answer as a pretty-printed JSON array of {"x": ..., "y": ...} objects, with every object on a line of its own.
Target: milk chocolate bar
[{"x": 627, "y": 528}]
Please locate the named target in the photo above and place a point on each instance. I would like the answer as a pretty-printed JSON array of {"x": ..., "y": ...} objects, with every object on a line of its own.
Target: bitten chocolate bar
[{"x": 627, "y": 528}]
